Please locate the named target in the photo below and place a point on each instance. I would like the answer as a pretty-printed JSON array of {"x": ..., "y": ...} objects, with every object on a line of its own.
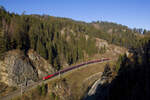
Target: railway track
[{"x": 46, "y": 80}]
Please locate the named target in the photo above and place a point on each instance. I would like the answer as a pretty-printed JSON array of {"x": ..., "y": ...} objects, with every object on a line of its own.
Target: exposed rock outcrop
[
  {"x": 101, "y": 43},
  {"x": 41, "y": 65},
  {"x": 17, "y": 68},
  {"x": 99, "y": 88}
]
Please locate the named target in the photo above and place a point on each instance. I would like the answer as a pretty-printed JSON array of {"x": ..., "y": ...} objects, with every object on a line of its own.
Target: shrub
[
  {"x": 44, "y": 89},
  {"x": 39, "y": 90},
  {"x": 52, "y": 96}
]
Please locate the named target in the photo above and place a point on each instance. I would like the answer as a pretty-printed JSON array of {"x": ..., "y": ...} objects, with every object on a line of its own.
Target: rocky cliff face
[
  {"x": 99, "y": 89},
  {"x": 16, "y": 67},
  {"x": 42, "y": 67}
]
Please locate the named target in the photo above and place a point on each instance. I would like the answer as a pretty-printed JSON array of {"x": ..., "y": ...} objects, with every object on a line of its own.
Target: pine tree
[{"x": 41, "y": 49}]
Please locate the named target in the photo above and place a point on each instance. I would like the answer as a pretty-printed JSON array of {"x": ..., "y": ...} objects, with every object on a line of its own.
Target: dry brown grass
[
  {"x": 76, "y": 80},
  {"x": 5, "y": 89}
]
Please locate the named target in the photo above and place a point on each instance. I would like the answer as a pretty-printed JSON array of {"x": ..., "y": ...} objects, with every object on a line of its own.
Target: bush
[
  {"x": 118, "y": 64},
  {"x": 39, "y": 90},
  {"x": 52, "y": 96},
  {"x": 44, "y": 89}
]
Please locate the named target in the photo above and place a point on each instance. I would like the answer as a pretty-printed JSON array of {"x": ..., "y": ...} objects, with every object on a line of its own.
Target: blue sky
[{"x": 133, "y": 13}]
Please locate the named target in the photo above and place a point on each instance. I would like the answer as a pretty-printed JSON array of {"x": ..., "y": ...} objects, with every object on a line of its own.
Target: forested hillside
[
  {"x": 133, "y": 76},
  {"x": 119, "y": 34},
  {"x": 59, "y": 40},
  {"x": 55, "y": 39}
]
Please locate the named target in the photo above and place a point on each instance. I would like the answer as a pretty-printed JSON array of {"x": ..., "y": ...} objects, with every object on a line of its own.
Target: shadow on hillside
[{"x": 131, "y": 83}]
